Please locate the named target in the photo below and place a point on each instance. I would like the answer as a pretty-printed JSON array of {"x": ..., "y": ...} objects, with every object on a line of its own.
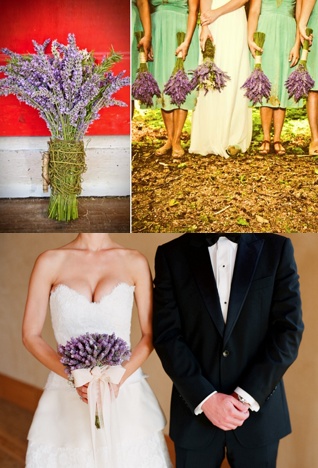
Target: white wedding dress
[
  {"x": 60, "y": 435},
  {"x": 222, "y": 119}
]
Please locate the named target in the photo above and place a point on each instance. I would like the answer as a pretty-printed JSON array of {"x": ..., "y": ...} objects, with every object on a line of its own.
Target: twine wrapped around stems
[{"x": 66, "y": 166}]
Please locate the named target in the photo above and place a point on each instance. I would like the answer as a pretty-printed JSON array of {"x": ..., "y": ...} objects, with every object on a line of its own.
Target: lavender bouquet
[
  {"x": 178, "y": 86},
  {"x": 68, "y": 88},
  {"x": 208, "y": 76},
  {"x": 299, "y": 82},
  {"x": 257, "y": 84},
  {"x": 145, "y": 87},
  {"x": 91, "y": 351}
]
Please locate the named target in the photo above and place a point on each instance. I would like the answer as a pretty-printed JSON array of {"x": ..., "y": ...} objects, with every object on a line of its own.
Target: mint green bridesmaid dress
[
  {"x": 169, "y": 17},
  {"x": 277, "y": 21}
]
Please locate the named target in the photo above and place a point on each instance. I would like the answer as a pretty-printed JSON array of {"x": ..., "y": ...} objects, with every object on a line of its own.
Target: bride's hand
[
  {"x": 208, "y": 17},
  {"x": 205, "y": 34},
  {"x": 82, "y": 392}
]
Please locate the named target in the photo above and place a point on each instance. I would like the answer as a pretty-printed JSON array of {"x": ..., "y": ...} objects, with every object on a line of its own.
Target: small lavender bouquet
[
  {"x": 68, "y": 88},
  {"x": 145, "y": 87},
  {"x": 208, "y": 76},
  {"x": 94, "y": 358},
  {"x": 257, "y": 84},
  {"x": 299, "y": 82},
  {"x": 178, "y": 86}
]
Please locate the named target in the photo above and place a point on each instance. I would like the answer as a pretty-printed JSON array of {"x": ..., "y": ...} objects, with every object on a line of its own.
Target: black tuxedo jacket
[{"x": 253, "y": 350}]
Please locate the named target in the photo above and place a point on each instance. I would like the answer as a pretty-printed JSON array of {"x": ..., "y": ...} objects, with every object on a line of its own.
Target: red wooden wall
[{"x": 97, "y": 24}]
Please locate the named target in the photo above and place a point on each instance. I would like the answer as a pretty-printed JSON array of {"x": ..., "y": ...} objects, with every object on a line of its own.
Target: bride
[
  {"x": 90, "y": 285},
  {"x": 222, "y": 121}
]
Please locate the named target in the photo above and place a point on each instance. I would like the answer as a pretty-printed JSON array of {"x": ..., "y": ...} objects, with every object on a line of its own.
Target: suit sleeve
[
  {"x": 177, "y": 359},
  {"x": 285, "y": 328}
]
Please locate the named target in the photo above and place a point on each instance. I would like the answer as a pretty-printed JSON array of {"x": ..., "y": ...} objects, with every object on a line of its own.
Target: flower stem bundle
[
  {"x": 299, "y": 82},
  {"x": 66, "y": 166},
  {"x": 257, "y": 85},
  {"x": 208, "y": 76},
  {"x": 178, "y": 86},
  {"x": 145, "y": 87}
]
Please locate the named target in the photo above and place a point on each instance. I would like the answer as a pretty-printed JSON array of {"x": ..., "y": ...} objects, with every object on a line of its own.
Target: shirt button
[{"x": 226, "y": 353}]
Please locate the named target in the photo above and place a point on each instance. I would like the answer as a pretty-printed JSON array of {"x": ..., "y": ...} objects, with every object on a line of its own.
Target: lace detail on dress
[
  {"x": 73, "y": 314},
  {"x": 150, "y": 452}
]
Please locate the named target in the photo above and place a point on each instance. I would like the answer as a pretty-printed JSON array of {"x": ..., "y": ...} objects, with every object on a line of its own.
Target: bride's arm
[
  {"x": 143, "y": 297},
  {"x": 40, "y": 284},
  {"x": 209, "y": 16}
]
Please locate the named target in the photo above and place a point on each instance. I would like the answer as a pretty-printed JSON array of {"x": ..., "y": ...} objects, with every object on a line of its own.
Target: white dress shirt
[{"x": 223, "y": 256}]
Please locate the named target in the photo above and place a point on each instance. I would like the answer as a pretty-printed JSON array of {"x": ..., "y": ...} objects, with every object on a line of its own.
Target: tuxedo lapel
[
  {"x": 247, "y": 257},
  {"x": 202, "y": 270}
]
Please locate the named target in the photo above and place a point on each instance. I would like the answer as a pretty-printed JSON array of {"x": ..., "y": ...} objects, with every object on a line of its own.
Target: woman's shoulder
[
  {"x": 131, "y": 255},
  {"x": 51, "y": 256}
]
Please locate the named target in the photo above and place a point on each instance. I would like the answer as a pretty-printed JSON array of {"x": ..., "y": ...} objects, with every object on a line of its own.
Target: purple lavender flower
[
  {"x": 299, "y": 83},
  {"x": 257, "y": 86},
  {"x": 93, "y": 349},
  {"x": 145, "y": 88},
  {"x": 208, "y": 76},
  {"x": 68, "y": 87},
  {"x": 178, "y": 87}
]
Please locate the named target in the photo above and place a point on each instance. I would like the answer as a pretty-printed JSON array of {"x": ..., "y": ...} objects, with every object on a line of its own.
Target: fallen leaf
[{"x": 259, "y": 219}]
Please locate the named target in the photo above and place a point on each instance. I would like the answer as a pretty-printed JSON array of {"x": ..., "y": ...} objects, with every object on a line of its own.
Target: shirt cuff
[
  {"x": 198, "y": 410},
  {"x": 254, "y": 406}
]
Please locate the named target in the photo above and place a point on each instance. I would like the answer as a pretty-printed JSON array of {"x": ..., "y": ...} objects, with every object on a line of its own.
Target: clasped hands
[{"x": 225, "y": 411}]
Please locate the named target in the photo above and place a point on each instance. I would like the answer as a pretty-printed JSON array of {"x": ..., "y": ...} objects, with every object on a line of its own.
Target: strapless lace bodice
[{"x": 73, "y": 314}]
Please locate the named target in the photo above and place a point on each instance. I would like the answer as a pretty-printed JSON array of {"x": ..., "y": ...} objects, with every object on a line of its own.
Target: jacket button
[{"x": 226, "y": 353}]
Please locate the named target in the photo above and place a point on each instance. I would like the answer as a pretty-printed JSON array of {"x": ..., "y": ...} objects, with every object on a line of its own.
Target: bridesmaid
[
  {"x": 141, "y": 21},
  {"x": 275, "y": 18},
  {"x": 309, "y": 17},
  {"x": 168, "y": 18}
]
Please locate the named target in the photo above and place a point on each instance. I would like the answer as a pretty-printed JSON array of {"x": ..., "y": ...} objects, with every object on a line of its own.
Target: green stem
[
  {"x": 209, "y": 50},
  {"x": 306, "y": 46}
]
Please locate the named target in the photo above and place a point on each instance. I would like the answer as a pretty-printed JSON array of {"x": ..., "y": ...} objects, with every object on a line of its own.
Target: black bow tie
[{"x": 213, "y": 238}]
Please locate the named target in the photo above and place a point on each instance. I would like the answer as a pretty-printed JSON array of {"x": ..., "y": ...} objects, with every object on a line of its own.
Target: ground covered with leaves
[{"x": 245, "y": 193}]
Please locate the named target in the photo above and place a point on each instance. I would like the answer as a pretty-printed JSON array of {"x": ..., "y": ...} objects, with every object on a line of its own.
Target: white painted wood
[{"x": 107, "y": 159}]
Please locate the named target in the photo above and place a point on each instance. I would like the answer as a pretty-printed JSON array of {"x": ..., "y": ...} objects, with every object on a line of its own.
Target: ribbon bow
[{"x": 100, "y": 399}]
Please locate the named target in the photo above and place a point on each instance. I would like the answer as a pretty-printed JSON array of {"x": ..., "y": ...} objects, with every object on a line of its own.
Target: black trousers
[{"x": 226, "y": 445}]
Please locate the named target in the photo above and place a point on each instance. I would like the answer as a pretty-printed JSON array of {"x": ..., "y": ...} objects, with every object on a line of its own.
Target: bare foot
[{"x": 164, "y": 149}]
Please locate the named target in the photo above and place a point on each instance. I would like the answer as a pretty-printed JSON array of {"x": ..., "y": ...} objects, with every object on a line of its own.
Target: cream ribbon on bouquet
[{"x": 100, "y": 398}]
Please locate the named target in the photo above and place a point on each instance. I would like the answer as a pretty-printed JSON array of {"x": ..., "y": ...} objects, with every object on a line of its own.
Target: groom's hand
[{"x": 225, "y": 411}]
